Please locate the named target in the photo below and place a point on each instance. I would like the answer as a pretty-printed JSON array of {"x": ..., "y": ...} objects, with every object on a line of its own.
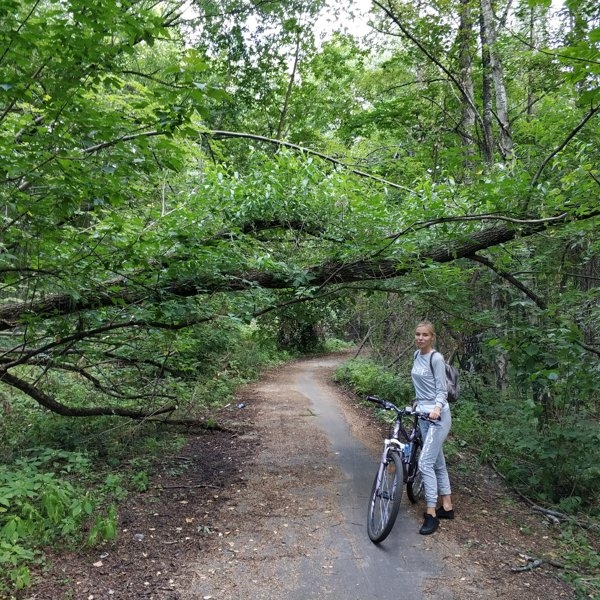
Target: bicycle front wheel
[
  {"x": 414, "y": 484},
  {"x": 385, "y": 498}
]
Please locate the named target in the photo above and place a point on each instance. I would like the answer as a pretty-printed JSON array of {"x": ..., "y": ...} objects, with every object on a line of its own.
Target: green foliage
[
  {"x": 114, "y": 486},
  {"x": 546, "y": 364},
  {"x": 552, "y": 467},
  {"x": 140, "y": 481},
  {"x": 545, "y": 464},
  {"x": 582, "y": 559},
  {"x": 39, "y": 507},
  {"x": 366, "y": 377},
  {"x": 104, "y": 527},
  {"x": 336, "y": 345},
  {"x": 145, "y": 263},
  {"x": 470, "y": 428},
  {"x": 101, "y": 437}
]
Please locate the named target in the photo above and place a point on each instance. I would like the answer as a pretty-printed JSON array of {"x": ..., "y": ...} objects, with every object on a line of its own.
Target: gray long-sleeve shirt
[{"x": 429, "y": 390}]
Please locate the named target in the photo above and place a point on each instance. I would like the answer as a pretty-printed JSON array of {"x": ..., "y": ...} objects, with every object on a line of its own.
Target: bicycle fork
[{"x": 391, "y": 445}]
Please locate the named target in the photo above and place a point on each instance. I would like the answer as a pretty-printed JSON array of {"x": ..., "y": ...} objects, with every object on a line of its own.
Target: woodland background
[{"x": 190, "y": 191}]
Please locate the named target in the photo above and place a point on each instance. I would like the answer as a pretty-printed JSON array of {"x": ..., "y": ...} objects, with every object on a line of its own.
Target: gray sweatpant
[{"x": 432, "y": 462}]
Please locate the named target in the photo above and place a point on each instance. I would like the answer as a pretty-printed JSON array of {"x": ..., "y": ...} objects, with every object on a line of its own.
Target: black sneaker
[
  {"x": 442, "y": 513},
  {"x": 430, "y": 524}
]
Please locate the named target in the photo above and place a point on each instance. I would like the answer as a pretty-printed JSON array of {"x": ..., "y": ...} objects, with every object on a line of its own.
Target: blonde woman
[{"x": 429, "y": 379}]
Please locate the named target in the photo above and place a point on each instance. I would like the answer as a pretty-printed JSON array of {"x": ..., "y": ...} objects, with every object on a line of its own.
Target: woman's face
[{"x": 423, "y": 338}]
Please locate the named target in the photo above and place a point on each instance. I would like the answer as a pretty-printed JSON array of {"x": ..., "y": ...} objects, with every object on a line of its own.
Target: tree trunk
[
  {"x": 488, "y": 42},
  {"x": 487, "y": 143},
  {"x": 465, "y": 40},
  {"x": 530, "y": 93},
  {"x": 288, "y": 93}
]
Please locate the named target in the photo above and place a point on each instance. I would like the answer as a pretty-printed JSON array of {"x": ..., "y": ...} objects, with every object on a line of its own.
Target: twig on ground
[
  {"x": 553, "y": 515},
  {"x": 190, "y": 487},
  {"x": 533, "y": 562}
]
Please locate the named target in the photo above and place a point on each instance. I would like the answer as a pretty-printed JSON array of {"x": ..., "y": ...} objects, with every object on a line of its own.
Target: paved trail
[
  {"x": 364, "y": 570},
  {"x": 298, "y": 528}
]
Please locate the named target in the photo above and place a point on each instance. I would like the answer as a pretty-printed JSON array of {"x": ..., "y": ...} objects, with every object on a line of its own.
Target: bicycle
[{"x": 398, "y": 459}]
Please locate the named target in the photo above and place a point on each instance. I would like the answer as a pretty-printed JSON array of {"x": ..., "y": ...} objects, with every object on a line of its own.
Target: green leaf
[{"x": 594, "y": 35}]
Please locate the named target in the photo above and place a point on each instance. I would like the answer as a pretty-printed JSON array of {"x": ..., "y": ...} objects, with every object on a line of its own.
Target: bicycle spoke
[{"x": 385, "y": 499}]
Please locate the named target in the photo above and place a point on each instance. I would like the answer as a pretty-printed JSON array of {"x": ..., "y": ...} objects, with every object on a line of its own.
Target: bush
[
  {"x": 39, "y": 507},
  {"x": 366, "y": 377},
  {"x": 545, "y": 463},
  {"x": 556, "y": 470},
  {"x": 335, "y": 345}
]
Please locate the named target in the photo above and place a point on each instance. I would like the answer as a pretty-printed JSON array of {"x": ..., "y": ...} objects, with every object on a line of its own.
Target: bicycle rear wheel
[
  {"x": 385, "y": 498},
  {"x": 414, "y": 485}
]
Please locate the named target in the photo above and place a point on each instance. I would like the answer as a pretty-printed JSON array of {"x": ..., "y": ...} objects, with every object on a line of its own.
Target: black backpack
[{"x": 452, "y": 384}]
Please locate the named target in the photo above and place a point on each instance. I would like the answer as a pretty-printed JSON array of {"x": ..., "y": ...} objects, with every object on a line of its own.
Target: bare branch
[
  {"x": 51, "y": 404},
  {"x": 562, "y": 145},
  {"x": 511, "y": 279},
  {"x": 124, "y": 138}
]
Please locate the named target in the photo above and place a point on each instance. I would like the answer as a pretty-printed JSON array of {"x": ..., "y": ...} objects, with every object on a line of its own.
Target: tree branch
[
  {"x": 511, "y": 279},
  {"x": 562, "y": 145},
  {"x": 25, "y": 357},
  {"x": 235, "y": 134},
  {"x": 110, "y": 390},
  {"x": 56, "y": 407}
]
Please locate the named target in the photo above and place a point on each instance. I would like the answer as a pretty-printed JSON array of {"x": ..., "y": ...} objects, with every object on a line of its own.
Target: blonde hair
[{"x": 428, "y": 325}]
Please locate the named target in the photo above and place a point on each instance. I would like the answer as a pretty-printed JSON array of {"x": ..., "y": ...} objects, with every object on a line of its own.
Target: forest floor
[{"x": 190, "y": 514}]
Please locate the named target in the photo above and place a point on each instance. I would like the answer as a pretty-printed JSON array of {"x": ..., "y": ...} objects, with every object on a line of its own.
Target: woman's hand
[{"x": 435, "y": 413}]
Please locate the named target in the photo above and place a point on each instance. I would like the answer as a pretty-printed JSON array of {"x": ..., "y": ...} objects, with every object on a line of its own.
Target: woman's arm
[{"x": 439, "y": 374}]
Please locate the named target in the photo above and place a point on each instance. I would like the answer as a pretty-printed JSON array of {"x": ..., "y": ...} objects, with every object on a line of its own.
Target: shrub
[
  {"x": 366, "y": 377},
  {"x": 39, "y": 507}
]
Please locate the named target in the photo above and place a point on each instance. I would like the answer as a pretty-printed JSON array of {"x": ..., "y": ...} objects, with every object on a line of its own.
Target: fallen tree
[{"x": 377, "y": 267}]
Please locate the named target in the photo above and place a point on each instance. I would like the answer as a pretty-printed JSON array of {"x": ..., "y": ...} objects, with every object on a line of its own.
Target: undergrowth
[
  {"x": 62, "y": 479},
  {"x": 43, "y": 504},
  {"x": 53, "y": 496},
  {"x": 366, "y": 377}
]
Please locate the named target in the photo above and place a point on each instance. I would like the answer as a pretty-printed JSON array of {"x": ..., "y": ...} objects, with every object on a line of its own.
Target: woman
[{"x": 429, "y": 379}]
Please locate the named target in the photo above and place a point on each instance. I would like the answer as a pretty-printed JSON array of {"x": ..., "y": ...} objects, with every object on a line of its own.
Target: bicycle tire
[
  {"x": 414, "y": 485},
  {"x": 385, "y": 498}
]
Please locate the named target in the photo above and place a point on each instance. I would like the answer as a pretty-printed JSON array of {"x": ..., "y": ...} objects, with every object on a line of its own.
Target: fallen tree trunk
[{"x": 122, "y": 292}]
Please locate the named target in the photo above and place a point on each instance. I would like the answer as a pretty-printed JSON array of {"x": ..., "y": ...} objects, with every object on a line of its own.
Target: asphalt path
[{"x": 400, "y": 566}]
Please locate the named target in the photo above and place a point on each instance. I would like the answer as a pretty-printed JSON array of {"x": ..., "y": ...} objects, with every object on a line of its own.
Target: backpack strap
[{"x": 431, "y": 362}]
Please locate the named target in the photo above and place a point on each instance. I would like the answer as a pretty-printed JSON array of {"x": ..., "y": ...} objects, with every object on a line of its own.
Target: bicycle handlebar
[{"x": 408, "y": 410}]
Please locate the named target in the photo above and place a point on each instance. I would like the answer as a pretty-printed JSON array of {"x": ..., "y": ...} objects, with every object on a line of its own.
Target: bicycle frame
[{"x": 393, "y": 443}]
